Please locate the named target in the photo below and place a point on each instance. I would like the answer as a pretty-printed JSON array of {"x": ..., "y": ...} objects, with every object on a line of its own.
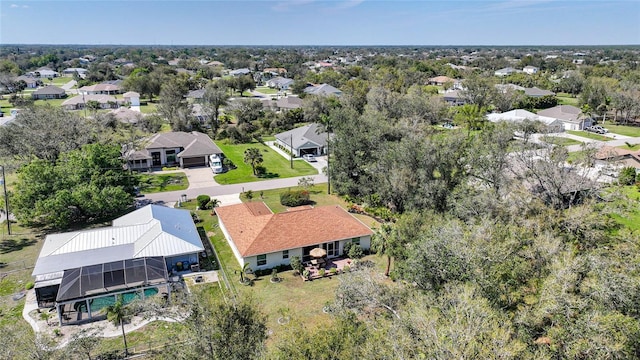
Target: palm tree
[
  {"x": 253, "y": 157},
  {"x": 245, "y": 270},
  {"x": 381, "y": 243},
  {"x": 117, "y": 314},
  {"x": 470, "y": 115}
]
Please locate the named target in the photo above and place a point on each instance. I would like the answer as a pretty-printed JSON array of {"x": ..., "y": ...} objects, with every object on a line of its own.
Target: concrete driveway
[{"x": 200, "y": 177}]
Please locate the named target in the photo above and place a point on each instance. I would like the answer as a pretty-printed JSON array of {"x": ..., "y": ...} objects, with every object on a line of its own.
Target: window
[
  {"x": 262, "y": 260},
  {"x": 285, "y": 254},
  {"x": 356, "y": 241}
]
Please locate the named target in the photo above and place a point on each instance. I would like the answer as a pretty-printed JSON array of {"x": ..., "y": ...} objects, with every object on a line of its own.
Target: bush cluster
[
  {"x": 203, "y": 201},
  {"x": 295, "y": 198}
]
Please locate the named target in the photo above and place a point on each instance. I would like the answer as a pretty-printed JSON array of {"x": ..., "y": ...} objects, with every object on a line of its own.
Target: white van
[{"x": 215, "y": 162}]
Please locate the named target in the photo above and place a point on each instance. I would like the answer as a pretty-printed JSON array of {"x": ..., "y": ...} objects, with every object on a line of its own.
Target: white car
[{"x": 309, "y": 157}]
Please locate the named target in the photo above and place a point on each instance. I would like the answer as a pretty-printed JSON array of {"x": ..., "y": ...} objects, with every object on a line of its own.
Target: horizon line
[{"x": 323, "y": 45}]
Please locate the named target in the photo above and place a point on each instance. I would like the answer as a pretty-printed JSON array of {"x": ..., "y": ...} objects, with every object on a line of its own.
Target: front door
[{"x": 155, "y": 159}]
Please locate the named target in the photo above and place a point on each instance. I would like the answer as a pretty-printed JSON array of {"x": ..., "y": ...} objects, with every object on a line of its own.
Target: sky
[{"x": 320, "y": 22}]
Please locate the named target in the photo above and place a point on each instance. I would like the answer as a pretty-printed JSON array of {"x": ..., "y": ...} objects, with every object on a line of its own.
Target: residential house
[
  {"x": 215, "y": 63},
  {"x": 623, "y": 157},
  {"x": 101, "y": 89},
  {"x": 196, "y": 95},
  {"x": 49, "y": 92},
  {"x": 45, "y": 73},
  {"x": 32, "y": 82},
  {"x": 126, "y": 115},
  {"x": 240, "y": 72},
  {"x": 503, "y": 88},
  {"x": 264, "y": 240},
  {"x": 280, "y": 83},
  {"x": 80, "y": 273},
  {"x": 520, "y": 115},
  {"x": 275, "y": 71},
  {"x": 174, "y": 148},
  {"x": 454, "y": 98},
  {"x": 303, "y": 140},
  {"x": 79, "y": 102},
  {"x": 132, "y": 98},
  {"x": 288, "y": 103},
  {"x": 442, "y": 80},
  {"x": 537, "y": 92},
  {"x": 571, "y": 116},
  {"x": 530, "y": 70},
  {"x": 322, "y": 90},
  {"x": 504, "y": 72},
  {"x": 70, "y": 71}
]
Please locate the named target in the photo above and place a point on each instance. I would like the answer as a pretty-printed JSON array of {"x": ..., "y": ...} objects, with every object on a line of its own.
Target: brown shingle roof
[{"x": 255, "y": 230}]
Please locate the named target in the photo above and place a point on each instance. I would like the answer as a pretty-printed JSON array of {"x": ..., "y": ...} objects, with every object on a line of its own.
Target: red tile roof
[{"x": 256, "y": 231}]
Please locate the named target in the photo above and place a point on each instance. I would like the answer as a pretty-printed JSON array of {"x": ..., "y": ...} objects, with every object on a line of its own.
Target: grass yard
[
  {"x": 153, "y": 183},
  {"x": 266, "y": 90},
  {"x": 633, "y": 131},
  {"x": 561, "y": 141},
  {"x": 52, "y": 102},
  {"x": 632, "y": 147},
  {"x": 57, "y": 81},
  {"x": 149, "y": 108},
  {"x": 629, "y": 198},
  {"x": 566, "y": 99},
  {"x": 277, "y": 166},
  {"x": 589, "y": 135}
]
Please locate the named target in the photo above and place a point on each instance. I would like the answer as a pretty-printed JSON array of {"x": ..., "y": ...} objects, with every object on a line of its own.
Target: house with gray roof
[
  {"x": 49, "y": 92},
  {"x": 240, "y": 72},
  {"x": 174, "y": 149},
  {"x": 537, "y": 92},
  {"x": 571, "y": 116},
  {"x": 32, "y": 82},
  {"x": 80, "y": 273},
  {"x": 288, "y": 103},
  {"x": 280, "y": 83},
  {"x": 44, "y": 73},
  {"x": 82, "y": 72},
  {"x": 307, "y": 139},
  {"x": 505, "y": 72},
  {"x": 323, "y": 90}
]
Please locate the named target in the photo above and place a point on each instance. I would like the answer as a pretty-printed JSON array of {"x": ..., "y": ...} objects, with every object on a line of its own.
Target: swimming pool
[{"x": 103, "y": 302}]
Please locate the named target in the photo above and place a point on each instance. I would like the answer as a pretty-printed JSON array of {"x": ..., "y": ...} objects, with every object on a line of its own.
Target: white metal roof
[{"x": 149, "y": 231}]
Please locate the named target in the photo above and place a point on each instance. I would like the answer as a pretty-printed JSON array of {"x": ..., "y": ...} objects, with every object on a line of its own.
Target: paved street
[{"x": 213, "y": 191}]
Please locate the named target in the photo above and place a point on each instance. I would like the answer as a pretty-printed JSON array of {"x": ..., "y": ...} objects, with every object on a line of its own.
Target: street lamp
[{"x": 6, "y": 200}]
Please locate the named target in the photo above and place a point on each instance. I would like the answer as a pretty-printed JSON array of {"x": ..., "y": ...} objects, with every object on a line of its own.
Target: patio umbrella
[{"x": 318, "y": 252}]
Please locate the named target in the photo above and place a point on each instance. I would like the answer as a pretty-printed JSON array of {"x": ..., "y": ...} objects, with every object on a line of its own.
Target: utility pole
[
  {"x": 328, "y": 172},
  {"x": 6, "y": 200}
]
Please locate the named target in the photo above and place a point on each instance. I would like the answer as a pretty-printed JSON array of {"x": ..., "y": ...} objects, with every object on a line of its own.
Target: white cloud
[
  {"x": 25, "y": 6},
  {"x": 290, "y": 4},
  {"x": 13, "y": 6}
]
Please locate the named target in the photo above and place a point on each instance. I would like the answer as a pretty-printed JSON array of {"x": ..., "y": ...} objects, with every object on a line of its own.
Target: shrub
[
  {"x": 355, "y": 252},
  {"x": 248, "y": 194},
  {"x": 321, "y": 272},
  {"x": 306, "y": 274},
  {"x": 332, "y": 271},
  {"x": 627, "y": 176},
  {"x": 274, "y": 273},
  {"x": 296, "y": 263},
  {"x": 203, "y": 201},
  {"x": 346, "y": 268},
  {"x": 29, "y": 285},
  {"x": 293, "y": 198}
]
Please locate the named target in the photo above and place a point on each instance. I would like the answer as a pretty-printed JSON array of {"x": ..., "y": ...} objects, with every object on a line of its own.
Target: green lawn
[
  {"x": 630, "y": 195},
  {"x": 632, "y": 147},
  {"x": 277, "y": 166},
  {"x": 566, "y": 99},
  {"x": 57, "y": 81},
  {"x": 633, "y": 131},
  {"x": 562, "y": 141},
  {"x": 266, "y": 90},
  {"x": 52, "y": 102},
  {"x": 149, "y": 108},
  {"x": 153, "y": 183},
  {"x": 5, "y": 106},
  {"x": 589, "y": 135}
]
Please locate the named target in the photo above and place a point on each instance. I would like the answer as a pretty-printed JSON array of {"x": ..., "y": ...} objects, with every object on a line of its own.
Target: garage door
[{"x": 194, "y": 161}]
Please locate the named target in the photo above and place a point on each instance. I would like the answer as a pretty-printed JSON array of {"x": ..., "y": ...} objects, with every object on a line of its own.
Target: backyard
[
  {"x": 277, "y": 166},
  {"x": 153, "y": 183}
]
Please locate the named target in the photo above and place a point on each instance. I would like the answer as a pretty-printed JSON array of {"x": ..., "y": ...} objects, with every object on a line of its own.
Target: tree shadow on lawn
[
  {"x": 269, "y": 175},
  {"x": 11, "y": 245}
]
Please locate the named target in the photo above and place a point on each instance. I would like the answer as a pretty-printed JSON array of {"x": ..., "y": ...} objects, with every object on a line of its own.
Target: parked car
[
  {"x": 600, "y": 129},
  {"x": 309, "y": 157}
]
